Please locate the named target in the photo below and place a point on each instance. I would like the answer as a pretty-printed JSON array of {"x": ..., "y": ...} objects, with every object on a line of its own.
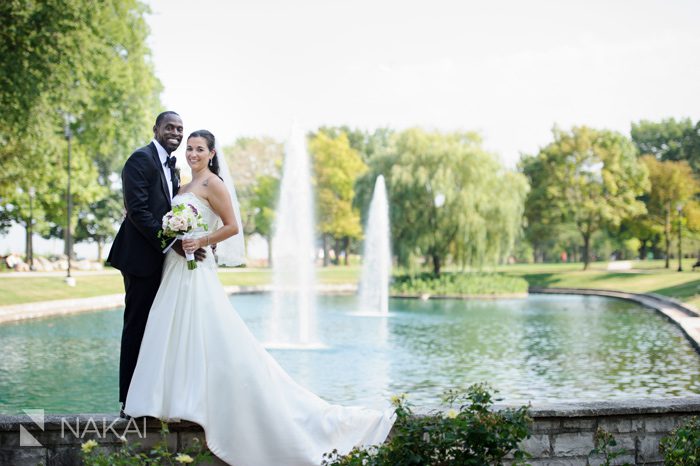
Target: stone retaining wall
[{"x": 562, "y": 434}]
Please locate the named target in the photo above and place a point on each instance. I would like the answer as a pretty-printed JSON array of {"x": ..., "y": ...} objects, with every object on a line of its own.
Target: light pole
[
  {"x": 679, "y": 207},
  {"x": 30, "y": 226},
  {"x": 70, "y": 281}
]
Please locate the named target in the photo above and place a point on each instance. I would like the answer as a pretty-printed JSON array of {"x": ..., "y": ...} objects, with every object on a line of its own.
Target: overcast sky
[{"x": 509, "y": 69}]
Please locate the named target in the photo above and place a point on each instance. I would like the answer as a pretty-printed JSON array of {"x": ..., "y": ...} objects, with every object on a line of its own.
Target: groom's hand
[{"x": 199, "y": 254}]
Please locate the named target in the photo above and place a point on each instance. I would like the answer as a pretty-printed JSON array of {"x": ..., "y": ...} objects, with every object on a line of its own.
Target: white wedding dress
[{"x": 199, "y": 362}]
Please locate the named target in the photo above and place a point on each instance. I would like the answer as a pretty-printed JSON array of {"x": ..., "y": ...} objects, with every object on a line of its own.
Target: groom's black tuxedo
[{"x": 137, "y": 250}]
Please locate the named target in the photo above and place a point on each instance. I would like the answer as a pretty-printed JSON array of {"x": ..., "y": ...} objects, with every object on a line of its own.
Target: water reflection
[{"x": 544, "y": 348}]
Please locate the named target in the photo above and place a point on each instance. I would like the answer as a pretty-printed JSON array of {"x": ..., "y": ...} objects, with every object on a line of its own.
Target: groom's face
[{"x": 169, "y": 132}]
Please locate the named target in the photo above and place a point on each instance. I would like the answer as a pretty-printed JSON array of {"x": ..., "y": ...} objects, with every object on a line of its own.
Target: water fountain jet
[
  {"x": 293, "y": 253},
  {"x": 376, "y": 260}
]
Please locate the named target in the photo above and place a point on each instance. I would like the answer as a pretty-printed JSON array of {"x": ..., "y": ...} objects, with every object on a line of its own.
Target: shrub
[
  {"x": 472, "y": 283},
  {"x": 605, "y": 445},
  {"x": 469, "y": 433},
  {"x": 682, "y": 446},
  {"x": 159, "y": 454}
]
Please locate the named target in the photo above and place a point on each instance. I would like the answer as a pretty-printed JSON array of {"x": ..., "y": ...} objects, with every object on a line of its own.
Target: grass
[
  {"x": 644, "y": 277},
  {"x": 28, "y": 289}
]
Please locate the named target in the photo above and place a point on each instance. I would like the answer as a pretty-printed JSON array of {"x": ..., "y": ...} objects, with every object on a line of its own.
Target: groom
[{"x": 149, "y": 181}]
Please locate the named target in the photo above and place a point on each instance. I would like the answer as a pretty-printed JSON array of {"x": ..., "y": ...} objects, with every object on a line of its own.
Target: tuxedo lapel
[
  {"x": 163, "y": 181},
  {"x": 176, "y": 181}
]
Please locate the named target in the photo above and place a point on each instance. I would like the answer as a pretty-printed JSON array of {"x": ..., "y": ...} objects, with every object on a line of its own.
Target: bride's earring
[{"x": 210, "y": 162}]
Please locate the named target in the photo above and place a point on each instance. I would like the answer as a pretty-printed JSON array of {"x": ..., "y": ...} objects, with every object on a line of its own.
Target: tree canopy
[
  {"x": 589, "y": 178},
  {"x": 81, "y": 65},
  {"x": 448, "y": 198}
]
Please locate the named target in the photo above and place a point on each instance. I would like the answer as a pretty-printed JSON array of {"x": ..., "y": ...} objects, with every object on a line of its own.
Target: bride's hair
[{"x": 211, "y": 144}]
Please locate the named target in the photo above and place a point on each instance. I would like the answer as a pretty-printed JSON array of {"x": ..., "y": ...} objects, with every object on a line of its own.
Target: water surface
[{"x": 543, "y": 348}]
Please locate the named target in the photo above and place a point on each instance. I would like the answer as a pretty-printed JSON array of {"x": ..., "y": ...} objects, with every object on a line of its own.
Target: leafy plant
[
  {"x": 158, "y": 455},
  {"x": 469, "y": 433},
  {"x": 604, "y": 443},
  {"x": 682, "y": 446}
]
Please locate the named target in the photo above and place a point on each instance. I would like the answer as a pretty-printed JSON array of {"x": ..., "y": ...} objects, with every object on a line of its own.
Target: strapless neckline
[{"x": 204, "y": 202}]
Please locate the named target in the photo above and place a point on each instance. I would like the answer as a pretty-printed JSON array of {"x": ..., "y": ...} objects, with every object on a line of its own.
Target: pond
[{"x": 540, "y": 349}]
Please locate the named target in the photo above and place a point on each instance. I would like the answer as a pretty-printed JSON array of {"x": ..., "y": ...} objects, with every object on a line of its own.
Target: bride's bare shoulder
[{"x": 215, "y": 187}]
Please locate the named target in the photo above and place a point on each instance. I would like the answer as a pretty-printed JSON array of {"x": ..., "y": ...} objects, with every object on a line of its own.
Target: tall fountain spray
[
  {"x": 293, "y": 254},
  {"x": 376, "y": 260}
]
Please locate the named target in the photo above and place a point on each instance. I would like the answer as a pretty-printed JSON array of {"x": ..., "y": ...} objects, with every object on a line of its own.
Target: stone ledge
[
  {"x": 635, "y": 406},
  {"x": 562, "y": 433}
]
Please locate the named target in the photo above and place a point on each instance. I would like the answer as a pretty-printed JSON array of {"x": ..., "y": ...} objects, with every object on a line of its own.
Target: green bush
[
  {"x": 159, "y": 454},
  {"x": 469, "y": 433},
  {"x": 471, "y": 283},
  {"x": 605, "y": 444},
  {"x": 682, "y": 446}
]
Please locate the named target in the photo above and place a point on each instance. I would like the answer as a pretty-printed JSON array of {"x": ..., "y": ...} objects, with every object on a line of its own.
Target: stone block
[
  {"x": 598, "y": 460},
  {"x": 579, "y": 425},
  {"x": 538, "y": 445},
  {"x": 545, "y": 426},
  {"x": 9, "y": 440},
  {"x": 23, "y": 456},
  {"x": 573, "y": 461},
  {"x": 152, "y": 438},
  {"x": 188, "y": 439},
  {"x": 648, "y": 449},
  {"x": 65, "y": 456},
  {"x": 573, "y": 444},
  {"x": 663, "y": 424},
  {"x": 621, "y": 425}
]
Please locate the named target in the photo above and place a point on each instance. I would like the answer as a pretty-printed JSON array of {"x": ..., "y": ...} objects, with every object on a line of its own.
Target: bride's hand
[
  {"x": 191, "y": 245},
  {"x": 199, "y": 255}
]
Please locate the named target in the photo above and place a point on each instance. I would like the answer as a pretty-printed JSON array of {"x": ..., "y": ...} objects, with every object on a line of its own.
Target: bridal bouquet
[{"x": 179, "y": 223}]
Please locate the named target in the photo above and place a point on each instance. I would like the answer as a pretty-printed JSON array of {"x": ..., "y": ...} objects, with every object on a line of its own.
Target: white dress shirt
[{"x": 163, "y": 155}]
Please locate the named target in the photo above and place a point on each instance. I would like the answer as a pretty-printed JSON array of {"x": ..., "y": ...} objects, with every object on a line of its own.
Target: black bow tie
[{"x": 170, "y": 162}]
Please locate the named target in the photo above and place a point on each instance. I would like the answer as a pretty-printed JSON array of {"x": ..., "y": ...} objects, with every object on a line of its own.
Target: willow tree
[
  {"x": 448, "y": 198},
  {"x": 590, "y": 178}
]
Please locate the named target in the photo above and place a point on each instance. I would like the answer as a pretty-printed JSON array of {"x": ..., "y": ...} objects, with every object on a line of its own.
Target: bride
[{"x": 198, "y": 361}]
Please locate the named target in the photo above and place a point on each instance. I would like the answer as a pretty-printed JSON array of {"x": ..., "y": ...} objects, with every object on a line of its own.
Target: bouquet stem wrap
[{"x": 191, "y": 262}]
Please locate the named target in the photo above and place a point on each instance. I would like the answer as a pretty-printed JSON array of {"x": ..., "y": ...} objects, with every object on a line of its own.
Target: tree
[
  {"x": 448, "y": 198},
  {"x": 591, "y": 178},
  {"x": 669, "y": 140},
  {"x": 256, "y": 169},
  {"x": 261, "y": 205},
  {"x": 673, "y": 185},
  {"x": 366, "y": 143},
  {"x": 336, "y": 166},
  {"x": 77, "y": 58},
  {"x": 545, "y": 228},
  {"x": 251, "y": 158},
  {"x": 97, "y": 223}
]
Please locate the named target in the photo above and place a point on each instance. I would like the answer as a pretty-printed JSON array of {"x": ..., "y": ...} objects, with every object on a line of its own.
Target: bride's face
[{"x": 198, "y": 153}]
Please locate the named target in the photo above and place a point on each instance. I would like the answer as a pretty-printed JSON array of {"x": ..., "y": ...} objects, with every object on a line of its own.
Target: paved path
[{"x": 17, "y": 312}]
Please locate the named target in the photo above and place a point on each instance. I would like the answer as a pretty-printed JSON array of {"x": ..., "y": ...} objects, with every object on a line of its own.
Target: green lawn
[
  {"x": 645, "y": 277},
  {"x": 27, "y": 289}
]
